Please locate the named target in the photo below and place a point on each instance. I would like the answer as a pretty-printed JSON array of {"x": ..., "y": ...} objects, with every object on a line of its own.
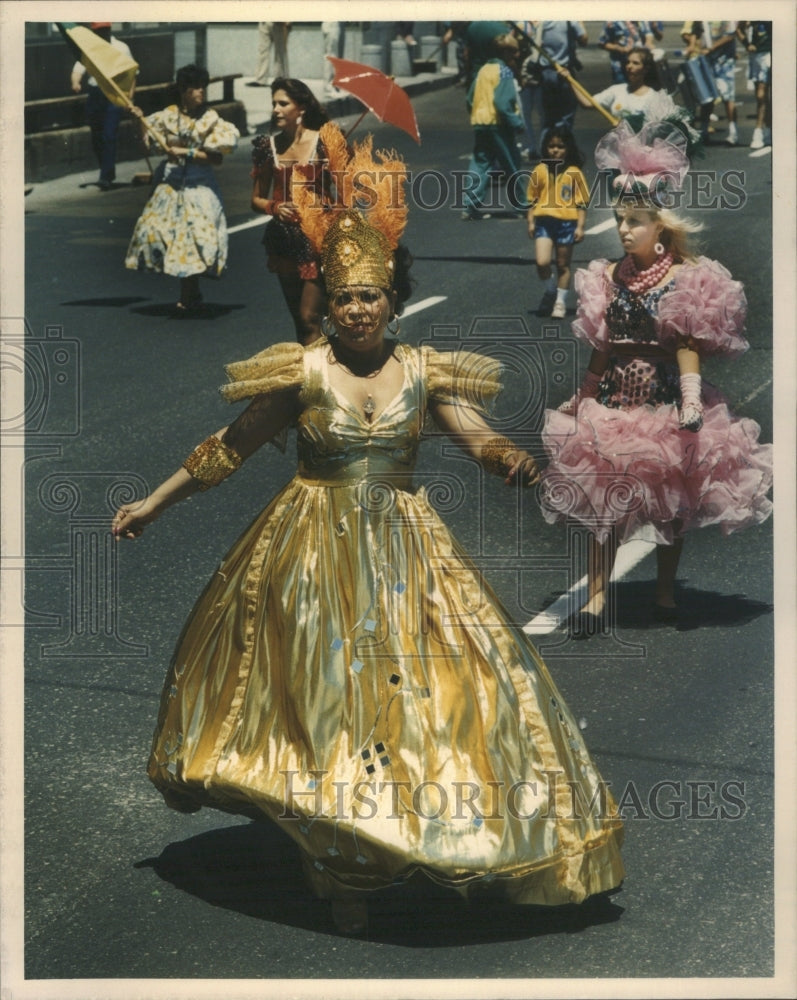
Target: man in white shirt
[{"x": 102, "y": 116}]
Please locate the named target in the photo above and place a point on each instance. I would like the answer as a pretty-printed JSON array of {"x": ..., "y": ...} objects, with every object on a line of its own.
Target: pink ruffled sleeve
[
  {"x": 707, "y": 307},
  {"x": 594, "y": 290}
]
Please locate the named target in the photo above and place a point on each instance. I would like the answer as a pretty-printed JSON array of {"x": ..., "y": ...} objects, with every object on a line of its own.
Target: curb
[
  {"x": 61, "y": 152},
  {"x": 345, "y": 105}
]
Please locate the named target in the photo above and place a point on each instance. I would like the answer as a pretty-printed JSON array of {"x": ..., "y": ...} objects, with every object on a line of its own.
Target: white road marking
[
  {"x": 414, "y": 308},
  {"x": 423, "y": 304},
  {"x": 628, "y": 556},
  {"x": 756, "y": 392},
  {"x": 261, "y": 220},
  {"x": 761, "y": 152},
  {"x": 601, "y": 227}
]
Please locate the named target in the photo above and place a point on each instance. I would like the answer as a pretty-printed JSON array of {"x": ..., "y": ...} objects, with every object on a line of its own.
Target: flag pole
[
  {"x": 129, "y": 104},
  {"x": 65, "y": 28},
  {"x": 570, "y": 79}
]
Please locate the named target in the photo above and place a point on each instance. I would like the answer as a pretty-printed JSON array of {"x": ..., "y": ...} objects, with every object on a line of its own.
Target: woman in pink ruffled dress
[{"x": 646, "y": 448}]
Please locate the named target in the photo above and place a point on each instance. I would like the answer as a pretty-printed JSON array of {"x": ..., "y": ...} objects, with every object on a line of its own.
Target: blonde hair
[{"x": 677, "y": 230}]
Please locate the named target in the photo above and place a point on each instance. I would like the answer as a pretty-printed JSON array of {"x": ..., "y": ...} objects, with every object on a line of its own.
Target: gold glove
[
  {"x": 211, "y": 462},
  {"x": 495, "y": 455}
]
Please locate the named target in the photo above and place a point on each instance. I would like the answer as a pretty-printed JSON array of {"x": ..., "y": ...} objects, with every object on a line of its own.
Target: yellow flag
[{"x": 114, "y": 71}]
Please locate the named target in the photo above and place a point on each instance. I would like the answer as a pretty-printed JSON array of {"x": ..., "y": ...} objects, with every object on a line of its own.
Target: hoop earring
[
  {"x": 327, "y": 328},
  {"x": 394, "y": 330},
  {"x": 659, "y": 249}
]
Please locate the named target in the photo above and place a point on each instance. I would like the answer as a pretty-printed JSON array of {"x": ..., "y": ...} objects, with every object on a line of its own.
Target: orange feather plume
[{"x": 372, "y": 183}]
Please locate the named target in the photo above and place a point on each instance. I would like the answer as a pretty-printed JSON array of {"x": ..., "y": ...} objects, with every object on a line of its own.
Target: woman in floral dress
[{"x": 182, "y": 230}]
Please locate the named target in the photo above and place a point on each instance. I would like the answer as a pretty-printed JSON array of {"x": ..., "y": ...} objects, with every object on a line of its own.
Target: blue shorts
[
  {"x": 760, "y": 67},
  {"x": 561, "y": 231},
  {"x": 724, "y": 77}
]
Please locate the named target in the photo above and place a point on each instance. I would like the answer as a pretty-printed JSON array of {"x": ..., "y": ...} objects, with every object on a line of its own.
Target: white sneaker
[
  {"x": 758, "y": 139},
  {"x": 559, "y": 310},
  {"x": 733, "y": 134}
]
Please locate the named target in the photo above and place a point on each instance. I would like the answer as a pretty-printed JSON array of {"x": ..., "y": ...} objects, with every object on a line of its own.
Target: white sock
[{"x": 561, "y": 295}]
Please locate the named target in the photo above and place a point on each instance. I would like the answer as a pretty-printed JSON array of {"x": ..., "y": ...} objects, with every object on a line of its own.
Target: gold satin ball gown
[{"x": 349, "y": 674}]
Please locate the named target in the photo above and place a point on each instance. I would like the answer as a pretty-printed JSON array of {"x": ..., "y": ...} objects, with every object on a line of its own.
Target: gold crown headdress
[{"x": 357, "y": 236}]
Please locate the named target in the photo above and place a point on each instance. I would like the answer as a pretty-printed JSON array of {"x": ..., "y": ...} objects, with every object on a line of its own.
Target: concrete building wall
[{"x": 232, "y": 47}]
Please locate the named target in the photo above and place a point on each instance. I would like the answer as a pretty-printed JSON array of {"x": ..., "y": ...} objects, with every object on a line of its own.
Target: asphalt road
[{"x": 679, "y": 720}]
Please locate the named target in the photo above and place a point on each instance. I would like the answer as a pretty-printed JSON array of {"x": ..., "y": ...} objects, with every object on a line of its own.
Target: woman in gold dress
[{"x": 347, "y": 673}]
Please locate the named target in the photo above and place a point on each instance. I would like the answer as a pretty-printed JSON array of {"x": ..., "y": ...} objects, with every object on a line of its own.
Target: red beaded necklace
[{"x": 638, "y": 281}]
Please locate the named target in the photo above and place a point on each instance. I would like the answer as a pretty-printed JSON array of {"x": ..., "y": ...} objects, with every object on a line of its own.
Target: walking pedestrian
[
  {"x": 272, "y": 48},
  {"x": 295, "y": 140},
  {"x": 716, "y": 40},
  {"x": 558, "y": 195},
  {"x": 330, "y": 34},
  {"x": 619, "y": 38},
  {"x": 640, "y": 96},
  {"x": 347, "y": 674},
  {"x": 492, "y": 101},
  {"x": 455, "y": 31},
  {"x": 479, "y": 45},
  {"x": 531, "y": 88},
  {"x": 102, "y": 115},
  {"x": 560, "y": 40},
  {"x": 647, "y": 448},
  {"x": 182, "y": 230},
  {"x": 720, "y": 47},
  {"x": 757, "y": 39}
]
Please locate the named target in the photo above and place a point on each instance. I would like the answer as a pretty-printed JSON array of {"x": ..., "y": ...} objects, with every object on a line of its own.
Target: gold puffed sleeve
[
  {"x": 275, "y": 368},
  {"x": 461, "y": 377}
]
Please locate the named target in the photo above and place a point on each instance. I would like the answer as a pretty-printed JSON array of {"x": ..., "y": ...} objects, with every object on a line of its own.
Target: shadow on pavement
[
  {"x": 207, "y": 311},
  {"x": 255, "y": 869},
  {"x": 696, "y": 608},
  {"x": 113, "y": 186},
  {"x": 113, "y": 301},
  {"x": 633, "y": 604},
  {"x": 516, "y": 261}
]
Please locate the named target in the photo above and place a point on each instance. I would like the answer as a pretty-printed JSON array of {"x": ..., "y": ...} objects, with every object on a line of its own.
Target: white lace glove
[
  {"x": 587, "y": 390},
  {"x": 691, "y": 418}
]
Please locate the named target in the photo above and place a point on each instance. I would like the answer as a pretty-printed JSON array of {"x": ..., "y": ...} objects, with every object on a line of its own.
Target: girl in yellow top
[{"x": 558, "y": 195}]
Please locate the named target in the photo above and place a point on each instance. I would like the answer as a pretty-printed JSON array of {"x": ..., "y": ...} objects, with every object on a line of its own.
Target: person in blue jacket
[{"x": 496, "y": 123}]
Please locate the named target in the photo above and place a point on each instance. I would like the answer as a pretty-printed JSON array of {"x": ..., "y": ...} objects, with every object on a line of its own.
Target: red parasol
[{"x": 379, "y": 93}]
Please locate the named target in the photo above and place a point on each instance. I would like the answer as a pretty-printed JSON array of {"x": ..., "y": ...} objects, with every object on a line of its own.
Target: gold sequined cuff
[
  {"x": 211, "y": 462},
  {"x": 494, "y": 455}
]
